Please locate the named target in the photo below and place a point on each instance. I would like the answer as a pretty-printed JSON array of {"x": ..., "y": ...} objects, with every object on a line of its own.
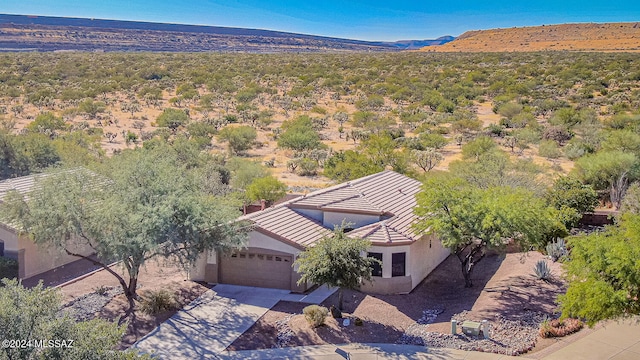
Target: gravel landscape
[{"x": 506, "y": 294}]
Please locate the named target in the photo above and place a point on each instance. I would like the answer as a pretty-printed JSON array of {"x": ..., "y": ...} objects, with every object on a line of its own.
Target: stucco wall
[
  {"x": 38, "y": 259},
  {"x": 331, "y": 219},
  {"x": 422, "y": 257},
  {"x": 426, "y": 254},
  {"x": 9, "y": 238},
  {"x": 314, "y": 214}
]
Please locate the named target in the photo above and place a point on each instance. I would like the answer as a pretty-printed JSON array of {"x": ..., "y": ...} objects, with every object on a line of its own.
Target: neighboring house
[
  {"x": 32, "y": 259},
  {"x": 380, "y": 209}
]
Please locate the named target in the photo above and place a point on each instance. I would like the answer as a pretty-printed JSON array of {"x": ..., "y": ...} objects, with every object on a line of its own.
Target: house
[
  {"x": 379, "y": 207},
  {"x": 32, "y": 259}
]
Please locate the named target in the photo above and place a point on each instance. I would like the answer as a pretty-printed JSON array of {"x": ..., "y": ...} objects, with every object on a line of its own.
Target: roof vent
[{"x": 400, "y": 191}]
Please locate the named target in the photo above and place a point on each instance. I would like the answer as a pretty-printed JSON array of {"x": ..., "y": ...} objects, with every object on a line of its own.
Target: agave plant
[
  {"x": 556, "y": 249},
  {"x": 542, "y": 270}
]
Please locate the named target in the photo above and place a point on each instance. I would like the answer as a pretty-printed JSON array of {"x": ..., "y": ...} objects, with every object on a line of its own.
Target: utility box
[{"x": 471, "y": 328}]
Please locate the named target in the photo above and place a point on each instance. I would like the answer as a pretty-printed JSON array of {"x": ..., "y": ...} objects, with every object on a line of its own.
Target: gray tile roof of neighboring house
[
  {"x": 22, "y": 184},
  {"x": 386, "y": 193}
]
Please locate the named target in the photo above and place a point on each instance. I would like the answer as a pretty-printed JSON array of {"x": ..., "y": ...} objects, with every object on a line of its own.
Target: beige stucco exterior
[
  {"x": 209, "y": 268},
  {"x": 422, "y": 257},
  {"x": 34, "y": 259}
]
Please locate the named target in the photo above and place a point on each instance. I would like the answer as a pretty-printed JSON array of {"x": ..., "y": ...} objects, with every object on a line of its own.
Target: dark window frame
[
  {"x": 399, "y": 264},
  {"x": 376, "y": 268}
]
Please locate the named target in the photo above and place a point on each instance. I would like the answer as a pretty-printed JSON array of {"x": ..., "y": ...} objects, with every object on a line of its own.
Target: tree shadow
[
  {"x": 138, "y": 324},
  {"x": 443, "y": 289},
  {"x": 518, "y": 294}
]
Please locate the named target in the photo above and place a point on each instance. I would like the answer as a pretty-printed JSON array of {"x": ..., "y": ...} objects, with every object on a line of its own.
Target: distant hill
[
  {"x": 606, "y": 37},
  {"x": 45, "y": 33},
  {"x": 418, "y": 44}
]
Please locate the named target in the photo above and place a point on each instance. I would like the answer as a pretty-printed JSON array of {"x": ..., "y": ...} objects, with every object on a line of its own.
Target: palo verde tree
[
  {"x": 604, "y": 273},
  {"x": 609, "y": 170},
  {"x": 143, "y": 204},
  {"x": 336, "y": 260},
  {"x": 469, "y": 220},
  {"x": 266, "y": 188}
]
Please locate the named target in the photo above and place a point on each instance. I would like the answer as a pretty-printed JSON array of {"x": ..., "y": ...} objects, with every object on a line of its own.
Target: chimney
[{"x": 263, "y": 204}]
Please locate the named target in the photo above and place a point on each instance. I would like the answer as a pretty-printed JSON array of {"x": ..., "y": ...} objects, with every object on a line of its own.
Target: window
[
  {"x": 1, "y": 248},
  {"x": 398, "y": 264},
  {"x": 376, "y": 269}
]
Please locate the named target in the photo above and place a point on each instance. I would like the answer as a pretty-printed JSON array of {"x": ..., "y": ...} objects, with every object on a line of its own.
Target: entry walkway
[{"x": 208, "y": 325}]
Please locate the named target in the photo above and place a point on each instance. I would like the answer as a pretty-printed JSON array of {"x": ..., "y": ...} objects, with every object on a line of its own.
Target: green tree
[
  {"x": 469, "y": 220},
  {"x": 477, "y": 147},
  {"x": 603, "y": 273},
  {"x": 572, "y": 198},
  {"x": 426, "y": 159},
  {"x": 349, "y": 165},
  {"x": 91, "y": 108},
  {"x": 34, "y": 314},
  {"x": 299, "y": 135},
  {"x": 495, "y": 168},
  {"x": 549, "y": 149},
  {"x": 239, "y": 138},
  {"x": 144, "y": 204},
  {"x": 608, "y": 170},
  {"x": 336, "y": 260},
  {"x": 266, "y": 188},
  {"x": 244, "y": 172},
  {"x": 47, "y": 123},
  {"x": 172, "y": 118}
]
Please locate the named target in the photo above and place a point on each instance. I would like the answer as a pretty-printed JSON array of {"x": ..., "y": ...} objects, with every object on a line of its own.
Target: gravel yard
[
  {"x": 505, "y": 293},
  {"x": 100, "y": 296}
]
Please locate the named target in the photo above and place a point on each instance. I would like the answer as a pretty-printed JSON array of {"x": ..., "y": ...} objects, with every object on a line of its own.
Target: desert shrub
[
  {"x": 155, "y": 302},
  {"x": 8, "y": 268},
  {"x": 559, "y": 328},
  {"x": 542, "y": 271},
  {"x": 101, "y": 290},
  {"x": 315, "y": 314},
  {"x": 172, "y": 118},
  {"x": 549, "y": 149},
  {"x": 556, "y": 249}
]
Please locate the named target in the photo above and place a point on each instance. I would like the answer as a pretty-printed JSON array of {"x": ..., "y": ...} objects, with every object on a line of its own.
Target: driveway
[{"x": 210, "y": 323}]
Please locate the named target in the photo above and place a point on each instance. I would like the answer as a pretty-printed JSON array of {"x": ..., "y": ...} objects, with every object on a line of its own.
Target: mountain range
[{"x": 46, "y": 33}]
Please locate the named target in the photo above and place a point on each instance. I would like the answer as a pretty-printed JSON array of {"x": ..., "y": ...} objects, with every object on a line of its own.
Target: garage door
[{"x": 250, "y": 268}]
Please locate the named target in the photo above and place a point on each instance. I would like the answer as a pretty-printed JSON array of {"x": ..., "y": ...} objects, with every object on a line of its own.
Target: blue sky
[{"x": 354, "y": 19}]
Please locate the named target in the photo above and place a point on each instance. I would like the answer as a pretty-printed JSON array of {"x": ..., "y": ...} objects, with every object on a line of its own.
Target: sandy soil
[
  {"x": 608, "y": 37},
  {"x": 503, "y": 284}
]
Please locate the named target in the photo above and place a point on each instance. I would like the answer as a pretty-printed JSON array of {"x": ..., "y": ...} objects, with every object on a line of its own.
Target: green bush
[
  {"x": 315, "y": 314},
  {"x": 8, "y": 268},
  {"x": 155, "y": 302}
]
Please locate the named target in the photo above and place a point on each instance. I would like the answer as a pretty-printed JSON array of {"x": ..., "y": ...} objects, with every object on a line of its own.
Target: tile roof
[
  {"x": 386, "y": 193},
  {"x": 289, "y": 225},
  {"x": 23, "y": 185}
]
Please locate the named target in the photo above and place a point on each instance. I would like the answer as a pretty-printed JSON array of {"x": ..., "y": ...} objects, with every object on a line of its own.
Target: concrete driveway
[{"x": 210, "y": 323}]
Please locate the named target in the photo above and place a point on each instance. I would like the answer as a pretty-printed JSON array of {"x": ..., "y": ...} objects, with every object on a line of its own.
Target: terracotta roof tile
[
  {"x": 289, "y": 224},
  {"x": 387, "y": 193}
]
